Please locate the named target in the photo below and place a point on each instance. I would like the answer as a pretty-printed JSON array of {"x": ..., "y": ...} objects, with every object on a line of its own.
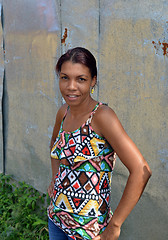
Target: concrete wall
[
  {"x": 129, "y": 39},
  {"x": 31, "y": 35}
]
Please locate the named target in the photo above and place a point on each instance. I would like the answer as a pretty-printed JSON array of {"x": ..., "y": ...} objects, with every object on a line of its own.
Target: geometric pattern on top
[{"x": 81, "y": 202}]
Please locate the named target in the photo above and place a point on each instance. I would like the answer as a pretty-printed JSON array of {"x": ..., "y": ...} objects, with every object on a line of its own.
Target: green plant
[{"x": 22, "y": 211}]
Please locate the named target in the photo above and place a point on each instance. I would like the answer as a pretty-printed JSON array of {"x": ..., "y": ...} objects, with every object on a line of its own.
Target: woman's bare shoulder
[
  {"x": 61, "y": 112},
  {"x": 104, "y": 120},
  {"x": 105, "y": 112}
]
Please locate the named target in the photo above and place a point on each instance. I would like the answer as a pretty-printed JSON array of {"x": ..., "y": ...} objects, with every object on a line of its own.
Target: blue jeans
[{"x": 55, "y": 233}]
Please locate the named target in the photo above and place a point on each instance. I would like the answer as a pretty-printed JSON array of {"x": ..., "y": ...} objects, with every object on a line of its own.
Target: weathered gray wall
[
  {"x": 31, "y": 36},
  {"x": 130, "y": 41},
  {"x": 134, "y": 81}
]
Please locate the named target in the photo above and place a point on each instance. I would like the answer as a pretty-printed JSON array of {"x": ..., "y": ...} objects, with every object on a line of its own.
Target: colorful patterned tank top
[{"x": 81, "y": 202}]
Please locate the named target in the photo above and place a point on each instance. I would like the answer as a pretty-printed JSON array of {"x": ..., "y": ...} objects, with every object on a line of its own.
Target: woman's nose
[{"x": 72, "y": 84}]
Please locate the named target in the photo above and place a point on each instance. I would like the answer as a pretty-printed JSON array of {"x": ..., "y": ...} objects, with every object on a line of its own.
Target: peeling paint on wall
[
  {"x": 165, "y": 48},
  {"x": 161, "y": 47},
  {"x": 64, "y": 36}
]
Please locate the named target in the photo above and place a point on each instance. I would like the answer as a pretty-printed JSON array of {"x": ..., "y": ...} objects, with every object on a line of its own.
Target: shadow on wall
[
  {"x": 149, "y": 217},
  {"x": 146, "y": 219}
]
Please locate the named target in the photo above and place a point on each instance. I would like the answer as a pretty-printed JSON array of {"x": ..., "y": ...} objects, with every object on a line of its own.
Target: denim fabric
[{"x": 55, "y": 233}]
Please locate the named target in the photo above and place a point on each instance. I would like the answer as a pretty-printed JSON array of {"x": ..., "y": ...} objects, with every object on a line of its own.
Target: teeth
[{"x": 72, "y": 96}]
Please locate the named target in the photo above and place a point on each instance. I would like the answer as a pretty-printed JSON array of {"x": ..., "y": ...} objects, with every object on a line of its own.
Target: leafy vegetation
[{"x": 22, "y": 211}]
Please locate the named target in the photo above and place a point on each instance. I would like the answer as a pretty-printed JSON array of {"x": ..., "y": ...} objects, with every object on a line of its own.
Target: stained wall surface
[
  {"x": 31, "y": 35},
  {"x": 130, "y": 42}
]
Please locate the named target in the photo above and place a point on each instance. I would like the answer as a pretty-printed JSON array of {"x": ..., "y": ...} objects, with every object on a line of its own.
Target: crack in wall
[
  {"x": 4, "y": 95},
  {"x": 98, "y": 60},
  {"x": 60, "y": 11},
  {"x": 4, "y": 122}
]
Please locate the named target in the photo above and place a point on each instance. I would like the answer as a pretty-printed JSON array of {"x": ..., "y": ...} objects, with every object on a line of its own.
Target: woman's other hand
[{"x": 112, "y": 232}]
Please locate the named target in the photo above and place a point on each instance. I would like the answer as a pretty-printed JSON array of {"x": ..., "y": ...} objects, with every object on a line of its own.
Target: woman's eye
[
  {"x": 63, "y": 77},
  {"x": 82, "y": 79}
]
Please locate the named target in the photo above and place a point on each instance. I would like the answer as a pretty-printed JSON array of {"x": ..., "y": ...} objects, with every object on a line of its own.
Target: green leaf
[{"x": 39, "y": 222}]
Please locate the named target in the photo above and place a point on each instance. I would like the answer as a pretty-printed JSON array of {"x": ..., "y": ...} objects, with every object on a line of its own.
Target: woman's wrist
[{"x": 115, "y": 222}]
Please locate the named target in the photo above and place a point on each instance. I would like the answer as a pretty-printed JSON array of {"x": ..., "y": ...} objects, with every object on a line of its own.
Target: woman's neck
[{"x": 83, "y": 108}]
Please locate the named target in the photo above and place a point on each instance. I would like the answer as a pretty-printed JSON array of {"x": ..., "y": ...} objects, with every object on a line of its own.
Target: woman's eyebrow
[
  {"x": 63, "y": 73},
  {"x": 82, "y": 75}
]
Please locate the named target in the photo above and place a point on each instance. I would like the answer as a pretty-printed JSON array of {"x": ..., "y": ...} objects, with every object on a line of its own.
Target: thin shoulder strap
[
  {"x": 64, "y": 117},
  {"x": 65, "y": 113},
  {"x": 93, "y": 112}
]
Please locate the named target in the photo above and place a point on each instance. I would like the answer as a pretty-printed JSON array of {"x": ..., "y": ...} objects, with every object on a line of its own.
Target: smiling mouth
[{"x": 72, "y": 96}]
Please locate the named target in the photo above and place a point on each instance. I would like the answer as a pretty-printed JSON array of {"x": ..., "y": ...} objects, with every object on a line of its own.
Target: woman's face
[{"x": 75, "y": 83}]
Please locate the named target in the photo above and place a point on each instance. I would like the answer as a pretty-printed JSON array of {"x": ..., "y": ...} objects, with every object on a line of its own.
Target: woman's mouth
[{"x": 72, "y": 97}]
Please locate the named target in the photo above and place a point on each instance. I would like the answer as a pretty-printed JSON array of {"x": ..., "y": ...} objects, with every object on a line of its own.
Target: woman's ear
[{"x": 94, "y": 81}]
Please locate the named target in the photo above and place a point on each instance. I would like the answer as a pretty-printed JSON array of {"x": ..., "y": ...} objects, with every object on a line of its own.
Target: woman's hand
[
  {"x": 51, "y": 189},
  {"x": 112, "y": 232}
]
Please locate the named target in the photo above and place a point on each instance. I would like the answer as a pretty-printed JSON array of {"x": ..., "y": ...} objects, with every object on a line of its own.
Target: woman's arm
[
  {"x": 139, "y": 171},
  {"x": 55, "y": 162}
]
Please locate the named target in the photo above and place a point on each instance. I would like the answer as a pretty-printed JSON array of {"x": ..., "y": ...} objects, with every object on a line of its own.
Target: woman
[{"x": 86, "y": 138}]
